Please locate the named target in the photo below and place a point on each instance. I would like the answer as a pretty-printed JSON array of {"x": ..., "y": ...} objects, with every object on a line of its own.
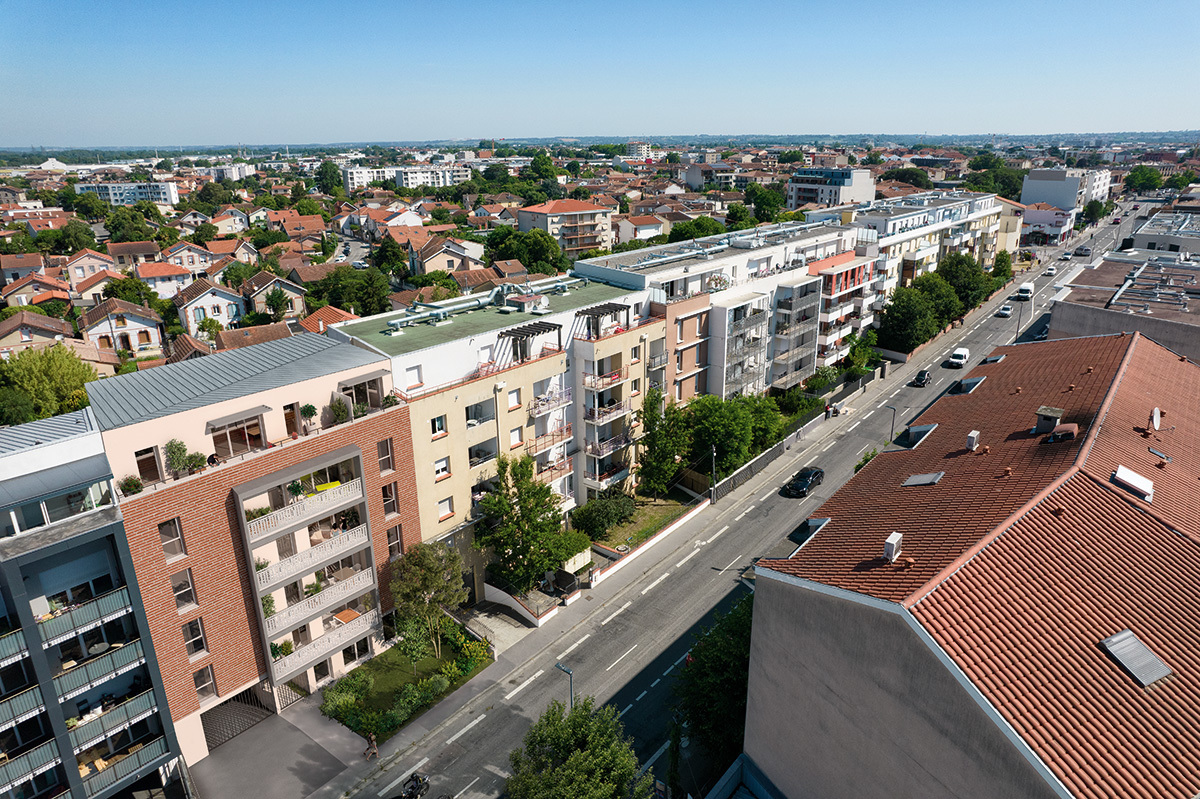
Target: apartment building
[
  {"x": 132, "y": 193},
  {"x": 227, "y": 171},
  {"x": 577, "y": 226},
  {"x": 1044, "y": 224},
  {"x": 637, "y": 149},
  {"x": 268, "y": 565},
  {"x": 1012, "y": 219},
  {"x": 829, "y": 186},
  {"x": 1065, "y": 189},
  {"x": 436, "y": 175},
  {"x": 83, "y": 710}
]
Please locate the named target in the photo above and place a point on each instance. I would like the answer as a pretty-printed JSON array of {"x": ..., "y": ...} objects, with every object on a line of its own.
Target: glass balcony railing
[
  {"x": 113, "y": 720},
  {"x": 119, "y": 659},
  {"x": 119, "y": 766},
  {"x": 80, "y": 618},
  {"x": 19, "y": 707}
]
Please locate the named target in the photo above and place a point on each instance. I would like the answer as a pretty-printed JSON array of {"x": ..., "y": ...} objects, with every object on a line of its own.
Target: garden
[{"x": 616, "y": 519}]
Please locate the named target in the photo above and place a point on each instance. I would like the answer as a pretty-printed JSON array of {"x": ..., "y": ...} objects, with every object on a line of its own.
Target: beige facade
[{"x": 576, "y": 226}]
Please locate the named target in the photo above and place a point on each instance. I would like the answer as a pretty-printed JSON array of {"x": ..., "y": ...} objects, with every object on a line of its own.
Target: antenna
[{"x": 1156, "y": 417}]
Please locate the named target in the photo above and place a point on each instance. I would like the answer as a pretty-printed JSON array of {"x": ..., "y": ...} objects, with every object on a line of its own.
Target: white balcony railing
[
  {"x": 547, "y": 402},
  {"x": 338, "y": 593},
  {"x": 306, "y": 561},
  {"x": 323, "y": 647},
  {"x": 316, "y": 505}
]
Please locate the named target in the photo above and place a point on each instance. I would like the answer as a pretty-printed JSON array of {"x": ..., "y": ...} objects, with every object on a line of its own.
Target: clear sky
[{"x": 82, "y": 72}]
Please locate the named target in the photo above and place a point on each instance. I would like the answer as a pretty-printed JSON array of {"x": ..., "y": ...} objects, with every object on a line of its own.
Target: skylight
[
  {"x": 966, "y": 386},
  {"x": 994, "y": 359},
  {"x": 918, "y": 433},
  {"x": 1129, "y": 479},
  {"x": 1135, "y": 657},
  {"x": 928, "y": 479}
]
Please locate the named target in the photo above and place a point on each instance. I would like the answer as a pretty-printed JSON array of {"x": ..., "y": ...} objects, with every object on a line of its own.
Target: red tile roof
[
  {"x": 35, "y": 279},
  {"x": 246, "y": 336},
  {"x": 85, "y": 252},
  {"x": 114, "y": 305},
  {"x": 329, "y": 314},
  {"x": 102, "y": 275},
  {"x": 564, "y": 207},
  {"x": 160, "y": 269}
]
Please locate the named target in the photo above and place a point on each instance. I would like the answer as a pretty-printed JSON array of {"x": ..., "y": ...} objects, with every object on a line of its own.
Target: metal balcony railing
[
  {"x": 657, "y": 361},
  {"x": 12, "y": 647},
  {"x": 547, "y": 440},
  {"x": 119, "y": 769},
  {"x": 599, "y": 449},
  {"x": 117, "y": 718},
  {"x": 607, "y": 413},
  {"x": 307, "y": 561},
  {"x": 117, "y": 660},
  {"x": 303, "y": 509},
  {"x": 332, "y": 641},
  {"x": 22, "y": 706},
  {"x": 35, "y": 761},
  {"x": 608, "y": 476},
  {"x": 545, "y": 403},
  {"x": 338, "y": 593},
  {"x": 81, "y": 618},
  {"x": 600, "y": 382},
  {"x": 752, "y": 319},
  {"x": 553, "y": 471}
]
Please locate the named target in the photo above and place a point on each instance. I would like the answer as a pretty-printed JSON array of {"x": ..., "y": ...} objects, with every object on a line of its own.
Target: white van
[
  {"x": 1025, "y": 291},
  {"x": 959, "y": 358}
]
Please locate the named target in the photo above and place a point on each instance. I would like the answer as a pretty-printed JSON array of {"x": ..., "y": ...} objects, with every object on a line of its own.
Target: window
[
  {"x": 119, "y": 320},
  {"x": 143, "y": 337},
  {"x": 395, "y": 542},
  {"x": 635, "y": 386},
  {"x": 438, "y": 425},
  {"x": 206, "y": 686},
  {"x": 355, "y": 651},
  {"x": 184, "y": 590},
  {"x": 232, "y": 310},
  {"x": 172, "y": 539},
  {"x": 441, "y": 468},
  {"x": 238, "y": 437},
  {"x": 389, "y": 499},
  {"x": 514, "y": 399},
  {"x": 198, "y": 314},
  {"x": 679, "y": 360},
  {"x": 413, "y": 375},
  {"x": 515, "y": 437},
  {"x": 216, "y": 310},
  {"x": 635, "y": 354},
  {"x": 384, "y": 450},
  {"x": 193, "y": 638},
  {"x": 679, "y": 330},
  {"x": 445, "y": 509}
]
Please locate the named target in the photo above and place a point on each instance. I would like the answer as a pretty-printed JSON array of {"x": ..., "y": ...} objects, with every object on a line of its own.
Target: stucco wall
[{"x": 1068, "y": 320}]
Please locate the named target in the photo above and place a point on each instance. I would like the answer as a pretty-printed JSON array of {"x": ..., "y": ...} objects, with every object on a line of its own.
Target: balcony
[
  {"x": 657, "y": 361},
  {"x": 606, "y": 414},
  {"x": 35, "y": 761},
  {"x": 544, "y": 442},
  {"x": 120, "y": 766},
  {"x": 553, "y": 471},
  {"x": 596, "y": 382},
  {"x": 312, "y": 558},
  {"x": 922, "y": 254},
  {"x": 542, "y": 405},
  {"x": 598, "y": 449},
  {"x": 12, "y": 647},
  {"x": 603, "y": 479},
  {"x": 19, "y": 707},
  {"x": 336, "y": 639},
  {"x": 865, "y": 321},
  {"x": 81, "y": 618},
  {"x": 113, "y": 720},
  {"x": 482, "y": 454},
  {"x": 753, "y": 319},
  {"x": 335, "y": 593},
  {"x": 320, "y": 504},
  {"x": 119, "y": 659},
  {"x": 836, "y": 312},
  {"x": 864, "y": 300}
]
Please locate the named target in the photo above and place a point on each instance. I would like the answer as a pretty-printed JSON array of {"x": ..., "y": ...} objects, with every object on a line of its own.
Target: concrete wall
[
  {"x": 1068, "y": 320},
  {"x": 845, "y": 701}
]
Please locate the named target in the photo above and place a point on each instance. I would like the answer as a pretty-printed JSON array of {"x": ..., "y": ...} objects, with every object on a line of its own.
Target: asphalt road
[{"x": 625, "y": 639}]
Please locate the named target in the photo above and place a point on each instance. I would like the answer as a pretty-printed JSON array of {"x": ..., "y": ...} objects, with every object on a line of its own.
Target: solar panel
[
  {"x": 1135, "y": 657},
  {"x": 927, "y": 479}
]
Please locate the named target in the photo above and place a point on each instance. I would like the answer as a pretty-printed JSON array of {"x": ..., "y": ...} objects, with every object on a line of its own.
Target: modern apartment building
[
  {"x": 132, "y": 193},
  {"x": 637, "y": 149},
  {"x": 270, "y": 564},
  {"x": 577, "y": 226},
  {"x": 829, "y": 186},
  {"x": 83, "y": 710},
  {"x": 1065, "y": 189},
  {"x": 227, "y": 171},
  {"x": 436, "y": 175}
]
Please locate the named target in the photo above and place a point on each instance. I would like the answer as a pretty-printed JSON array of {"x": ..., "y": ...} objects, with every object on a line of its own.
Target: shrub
[
  {"x": 867, "y": 457},
  {"x": 268, "y": 606},
  {"x": 130, "y": 485},
  {"x": 260, "y": 564},
  {"x": 390, "y": 401},
  {"x": 176, "y": 455},
  {"x": 196, "y": 461},
  {"x": 611, "y": 508},
  {"x": 361, "y": 409},
  {"x": 339, "y": 411},
  {"x": 286, "y": 648}
]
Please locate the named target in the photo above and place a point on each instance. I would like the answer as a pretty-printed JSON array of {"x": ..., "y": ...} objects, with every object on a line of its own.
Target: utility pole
[{"x": 714, "y": 472}]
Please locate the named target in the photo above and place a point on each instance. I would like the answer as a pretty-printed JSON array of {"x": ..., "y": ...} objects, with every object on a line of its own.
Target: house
[
  {"x": 256, "y": 289},
  {"x": 25, "y": 328},
  {"x": 90, "y": 291},
  {"x": 184, "y": 347},
  {"x": 35, "y": 226},
  {"x": 16, "y": 266},
  {"x": 128, "y": 253},
  {"x": 445, "y": 254},
  {"x": 84, "y": 264},
  {"x": 245, "y": 336},
  {"x": 240, "y": 249},
  {"x": 10, "y": 195},
  {"x": 278, "y": 220},
  {"x": 403, "y": 300},
  {"x": 228, "y": 224},
  {"x": 302, "y": 274},
  {"x": 192, "y": 256},
  {"x": 576, "y": 226},
  {"x": 203, "y": 299},
  {"x": 505, "y": 198},
  {"x": 115, "y": 324},
  {"x": 216, "y": 270},
  {"x": 510, "y": 268},
  {"x": 23, "y": 291},
  {"x": 167, "y": 279},
  {"x": 194, "y": 219},
  {"x": 639, "y": 227},
  {"x": 323, "y": 317}
]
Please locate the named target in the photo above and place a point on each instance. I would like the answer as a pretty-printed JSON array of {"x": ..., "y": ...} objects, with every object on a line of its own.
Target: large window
[
  {"x": 241, "y": 436},
  {"x": 389, "y": 499},
  {"x": 147, "y": 463},
  {"x": 193, "y": 637},
  {"x": 172, "y": 539},
  {"x": 52, "y": 509},
  {"x": 384, "y": 450},
  {"x": 184, "y": 589},
  {"x": 206, "y": 686},
  {"x": 437, "y": 426},
  {"x": 368, "y": 392}
]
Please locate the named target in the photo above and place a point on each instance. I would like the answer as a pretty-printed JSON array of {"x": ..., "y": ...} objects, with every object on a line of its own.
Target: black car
[
  {"x": 922, "y": 379},
  {"x": 805, "y": 480}
]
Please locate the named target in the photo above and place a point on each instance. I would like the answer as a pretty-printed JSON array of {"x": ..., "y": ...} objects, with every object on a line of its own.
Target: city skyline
[{"x": 275, "y": 74}]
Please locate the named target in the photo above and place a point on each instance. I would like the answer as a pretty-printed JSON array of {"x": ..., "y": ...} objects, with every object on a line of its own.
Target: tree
[
  {"x": 262, "y": 239},
  {"x": 412, "y": 639},
  {"x": 580, "y": 754},
  {"x": 542, "y": 168},
  {"x": 536, "y": 249},
  {"x": 165, "y": 236},
  {"x": 726, "y": 425},
  {"x": 967, "y": 277},
  {"x": 1002, "y": 180},
  {"x": 149, "y": 211},
  {"x": 210, "y": 327},
  {"x": 766, "y": 423},
  {"x": 1143, "y": 178},
  {"x": 426, "y": 581},
  {"x": 910, "y": 175},
  {"x": 524, "y": 526},
  {"x": 873, "y": 157},
  {"x": 907, "y": 321},
  {"x": 131, "y": 289},
  {"x": 214, "y": 193},
  {"x": 985, "y": 161},
  {"x": 329, "y": 177},
  {"x": 13, "y": 310},
  {"x": 611, "y": 507},
  {"x": 767, "y": 202},
  {"x": 238, "y": 273},
  {"x": 851, "y": 160},
  {"x": 48, "y": 377},
  {"x": 90, "y": 206},
  {"x": 372, "y": 295},
  {"x": 206, "y": 232},
  {"x": 1093, "y": 212},
  {"x": 574, "y": 168},
  {"x": 497, "y": 174},
  {"x": 307, "y": 207},
  {"x": 1002, "y": 269},
  {"x": 15, "y": 406},
  {"x": 946, "y": 305},
  {"x": 738, "y": 216},
  {"x": 277, "y": 303},
  {"x": 711, "y": 687},
  {"x": 696, "y": 228},
  {"x": 165, "y": 165},
  {"x": 1181, "y": 181},
  {"x": 665, "y": 440},
  {"x": 125, "y": 224},
  {"x": 391, "y": 258},
  {"x": 299, "y": 191},
  {"x": 673, "y": 157}
]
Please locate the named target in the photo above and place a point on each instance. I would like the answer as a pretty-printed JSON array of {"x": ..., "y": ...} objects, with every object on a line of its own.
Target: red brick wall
[{"x": 205, "y": 505}]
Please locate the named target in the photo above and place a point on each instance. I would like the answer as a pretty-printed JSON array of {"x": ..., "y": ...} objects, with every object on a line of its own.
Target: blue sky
[{"x": 172, "y": 73}]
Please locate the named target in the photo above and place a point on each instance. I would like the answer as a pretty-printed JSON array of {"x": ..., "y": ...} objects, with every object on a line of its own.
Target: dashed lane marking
[
  {"x": 387, "y": 788},
  {"x": 481, "y": 717},
  {"x": 522, "y": 686},
  {"x": 571, "y": 648},
  {"x": 616, "y": 613},
  {"x": 618, "y": 660}
]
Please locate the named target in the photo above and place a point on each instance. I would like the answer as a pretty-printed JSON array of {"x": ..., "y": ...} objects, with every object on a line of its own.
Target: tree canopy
[
  {"x": 910, "y": 175},
  {"x": 725, "y": 425},
  {"x": 536, "y": 249},
  {"x": 908, "y": 320},
  {"x": 1143, "y": 178},
  {"x": 125, "y": 224},
  {"x": 665, "y": 442},
  {"x": 966, "y": 276},
  {"x": 696, "y": 228},
  {"x": 946, "y": 305},
  {"x": 329, "y": 177},
  {"x": 426, "y": 579},
  {"x": 51, "y": 378}
]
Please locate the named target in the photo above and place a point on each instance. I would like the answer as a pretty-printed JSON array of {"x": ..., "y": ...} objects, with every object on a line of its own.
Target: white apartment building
[
  {"x": 1067, "y": 189},
  {"x": 227, "y": 171},
  {"x": 437, "y": 175},
  {"x": 132, "y": 193},
  {"x": 829, "y": 186},
  {"x": 637, "y": 149}
]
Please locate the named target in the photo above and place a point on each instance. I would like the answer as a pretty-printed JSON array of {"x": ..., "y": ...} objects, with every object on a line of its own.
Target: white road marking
[
  {"x": 738, "y": 518},
  {"x": 656, "y": 582},
  {"x": 868, "y": 416},
  {"x": 716, "y": 534},
  {"x": 681, "y": 658},
  {"x": 766, "y": 496},
  {"x": 481, "y": 717},
  {"x": 656, "y": 682},
  {"x": 618, "y": 660},
  {"x": 735, "y": 560},
  {"x": 616, "y": 613},
  {"x": 811, "y": 462},
  {"x": 669, "y": 669},
  {"x": 861, "y": 450},
  {"x": 464, "y": 790},
  {"x": 403, "y": 777},
  {"x": 827, "y": 446},
  {"x": 856, "y": 424},
  {"x": 646, "y": 766},
  {"x": 880, "y": 405},
  {"x": 642, "y": 694},
  {"x": 571, "y": 648},
  {"x": 688, "y": 557},
  {"x": 628, "y": 708},
  {"x": 522, "y": 686}
]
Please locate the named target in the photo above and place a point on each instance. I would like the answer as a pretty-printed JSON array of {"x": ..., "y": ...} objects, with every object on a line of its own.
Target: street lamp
[
  {"x": 892, "y": 433},
  {"x": 571, "y": 678},
  {"x": 714, "y": 472}
]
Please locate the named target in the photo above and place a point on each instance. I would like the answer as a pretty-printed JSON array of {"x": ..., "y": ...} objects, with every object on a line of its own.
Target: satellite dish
[{"x": 1155, "y": 418}]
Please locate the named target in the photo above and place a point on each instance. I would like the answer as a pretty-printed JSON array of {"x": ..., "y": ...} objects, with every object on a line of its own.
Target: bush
[
  {"x": 796, "y": 403},
  {"x": 130, "y": 485},
  {"x": 268, "y": 606},
  {"x": 611, "y": 508},
  {"x": 361, "y": 409},
  {"x": 339, "y": 411},
  {"x": 390, "y": 401}
]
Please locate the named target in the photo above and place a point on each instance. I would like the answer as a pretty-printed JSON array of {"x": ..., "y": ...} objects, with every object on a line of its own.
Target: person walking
[{"x": 372, "y": 749}]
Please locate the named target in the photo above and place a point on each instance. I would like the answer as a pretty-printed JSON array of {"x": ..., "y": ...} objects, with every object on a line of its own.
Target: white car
[
  {"x": 340, "y": 259},
  {"x": 1005, "y": 311},
  {"x": 1051, "y": 271}
]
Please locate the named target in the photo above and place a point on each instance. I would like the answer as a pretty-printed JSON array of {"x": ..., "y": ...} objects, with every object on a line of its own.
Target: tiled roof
[
  {"x": 115, "y": 305},
  {"x": 225, "y": 246},
  {"x": 329, "y": 314},
  {"x": 264, "y": 279},
  {"x": 308, "y": 273},
  {"x": 48, "y": 324},
  {"x": 35, "y": 279},
  {"x": 85, "y": 252},
  {"x": 642, "y": 221},
  {"x": 245, "y": 336},
  {"x": 22, "y": 260},
  {"x": 198, "y": 288},
  {"x": 510, "y": 267},
  {"x": 38, "y": 299},
  {"x": 160, "y": 269},
  {"x": 133, "y": 248},
  {"x": 102, "y": 275},
  {"x": 185, "y": 346},
  {"x": 563, "y": 207}
]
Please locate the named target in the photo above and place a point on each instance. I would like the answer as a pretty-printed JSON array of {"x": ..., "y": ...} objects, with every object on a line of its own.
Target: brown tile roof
[
  {"x": 159, "y": 269},
  {"x": 564, "y": 207},
  {"x": 22, "y": 260},
  {"x": 1042, "y": 207},
  {"x": 510, "y": 267},
  {"x": 85, "y": 251},
  {"x": 37, "y": 321},
  {"x": 406, "y": 297},
  {"x": 223, "y": 246},
  {"x": 197, "y": 288},
  {"x": 185, "y": 346},
  {"x": 133, "y": 248},
  {"x": 329, "y": 314},
  {"x": 38, "y": 299},
  {"x": 642, "y": 221},
  {"x": 215, "y": 269},
  {"x": 245, "y": 336},
  {"x": 102, "y": 275},
  {"x": 309, "y": 273},
  {"x": 114, "y": 305},
  {"x": 263, "y": 279},
  {"x": 466, "y": 278},
  {"x": 151, "y": 364},
  {"x": 35, "y": 279}
]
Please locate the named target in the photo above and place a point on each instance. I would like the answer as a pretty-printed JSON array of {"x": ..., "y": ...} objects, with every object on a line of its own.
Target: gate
[{"x": 233, "y": 717}]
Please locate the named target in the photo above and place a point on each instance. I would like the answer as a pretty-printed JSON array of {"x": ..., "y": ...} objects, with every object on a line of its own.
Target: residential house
[
  {"x": 445, "y": 254},
  {"x": 1043, "y": 223},
  {"x": 25, "y": 328},
  {"x": 510, "y": 268},
  {"x": 246, "y": 336},
  {"x": 184, "y": 347},
  {"x": 639, "y": 227},
  {"x": 84, "y": 264},
  {"x": 229, "y": 224},
  {"x": 16, "y": 266},
  {"x": 203, "y": 299},
  {"x": 505, "y": 198},
  {"x": 90, "y": 291},
  {"x": 278, "y": 220},
  {"x": 403, "y": 300},
  {"x": 1012, "y": 219},
  {"x": 576, "y": 226},
  {"x": 192, "y": 256},
  {"x": 302, "y": 274},
  {"x": 127, "y": 253},
  {"x": 194, "y": 218},
  {"x": 319, "y": 320},
  {"x": 216, "y": 270},
  {"x": 240, "y": 249},
  {"x": 167, "y": 279},
  {"x": 256, "y": 289},
  {"x": 28, "y": 288},
  {"x": 9, "y": 195},
  {"x": 115, "y": 324}
]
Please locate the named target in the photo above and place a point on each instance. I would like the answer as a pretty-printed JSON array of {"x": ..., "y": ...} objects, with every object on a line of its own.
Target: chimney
[
  {"x": 1048, "y": 418},
  {"x": 321, "y": 325}
]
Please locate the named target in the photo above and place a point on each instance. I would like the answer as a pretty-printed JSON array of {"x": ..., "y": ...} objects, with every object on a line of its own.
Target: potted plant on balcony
[
  {"x": 296, "y": 489},
  {"x": 339, "y": 411},
  {"x": 315, "y": 587},
  {"x": 307, "y": 412},
  {"x": 390, "y": 401},
  {"x": 130, "y": 485},
  {"x": 268, "y": 606},
  {"x": 196, "y": 462},
  {"x": 286, "y": 648},
  {"x": 361, "y": 409},
  {"x": 176, "y": 456}
]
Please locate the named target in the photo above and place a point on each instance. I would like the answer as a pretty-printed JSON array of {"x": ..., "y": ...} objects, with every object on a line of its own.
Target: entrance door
[{"x": 291, "y": 416}]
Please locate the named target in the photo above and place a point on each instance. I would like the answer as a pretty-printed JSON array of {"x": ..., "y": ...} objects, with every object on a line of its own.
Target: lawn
[
  {"x": 651, "y": 516},
  {"x": 392, "y": 671}
]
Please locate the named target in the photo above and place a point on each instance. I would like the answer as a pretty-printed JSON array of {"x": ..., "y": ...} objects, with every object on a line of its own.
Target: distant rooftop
[
  {"x": 136, "y": 397},
  {"x": 1169, "y": 224},
  {"x": 1161, "y": 285},
  {"x": 46, "y": 431}
]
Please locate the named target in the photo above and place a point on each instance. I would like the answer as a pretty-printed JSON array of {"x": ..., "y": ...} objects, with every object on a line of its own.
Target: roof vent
[
  {"x": 1135, "y": 657},
  {"x": 973, "y": 440},
  {"x": 1048, "y": 419},
  {"x": 891, "y": 547},
  {"x": 1131, "y": 480}
]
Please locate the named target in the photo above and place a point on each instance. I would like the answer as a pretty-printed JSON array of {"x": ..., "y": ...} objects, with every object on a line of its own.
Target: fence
[{"x": 752, "y": 468}]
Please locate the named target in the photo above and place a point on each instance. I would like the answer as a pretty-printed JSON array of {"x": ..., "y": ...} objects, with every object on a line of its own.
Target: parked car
[
  {"x": 804, "y": 481},
  {"x": 1005, "y": 311},
  {"x": 360, "y": 264},
  {"x": 1116, "y": 220},
  {"x": 1051, "y": 271},
  {"x": 922, "y": 379},
  {"x": 341, "y": 258}
]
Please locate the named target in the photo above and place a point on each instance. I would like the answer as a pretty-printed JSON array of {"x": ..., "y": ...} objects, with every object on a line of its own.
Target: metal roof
[
  {"x": 155, "y": 393},
  {"x": 1135, "y": 657},
  {"x": 45, "y": 431}
]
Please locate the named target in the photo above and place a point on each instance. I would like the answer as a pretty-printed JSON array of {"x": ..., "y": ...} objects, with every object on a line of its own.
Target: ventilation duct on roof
[
  {"x": 1132, "y": 481},
  {"x": 1048, "y": 419}
]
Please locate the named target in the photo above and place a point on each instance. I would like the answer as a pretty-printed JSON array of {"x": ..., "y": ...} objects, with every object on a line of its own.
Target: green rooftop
[{"x": 374, "y": 330}]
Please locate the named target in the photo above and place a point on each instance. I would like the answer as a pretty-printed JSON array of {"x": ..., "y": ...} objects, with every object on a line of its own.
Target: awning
[
  {"x": 353, "y": 381},
  {"x": 605, "y": 309},
  {"x": 55, "y": 480},
  {"x": 236, "y": 417},
  {"x": 530, "y": 330}
]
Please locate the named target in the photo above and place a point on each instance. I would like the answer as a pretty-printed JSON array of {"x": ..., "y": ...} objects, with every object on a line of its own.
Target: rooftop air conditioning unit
[
  {"x": 891, "y": 547},
  {"x": 973, "y": 440}
]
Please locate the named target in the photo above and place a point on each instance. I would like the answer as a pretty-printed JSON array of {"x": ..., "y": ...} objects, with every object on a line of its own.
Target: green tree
[
  {"x": 767, "y": 201},
  {"x": 307, "y": 207},
  {"x": 90, "y": 206},
  {"x": 426, "y": 581},
  {"x": 967, "y": 277},
  {"x": 131, "y": 289},
  {"x": 1181, "y": 181},
  {"x": 985, "y": 161},
  {"x": 665, "y": 442},
  {"x": 205, "y": 233},
  {"x": 580, "y": 754},
  {"x": 329, "y": 177},
  {"x": 371, "y": 297},
  {"x": 149, "y": 211},
  {"x": 391, "y": 258},
  {"x": 75, "y": 236},
  {"x": 536, "y": 249},
  {"x": 210, "y": 327},
  {"x": 574, "y": 168},
  {"x": 236, "y": 274},
  {"x": 1143, "y": 178},
  {"x": 13, "y": 310},
  {"x": 907, "y": 321},
  {"x": 910, "y": 175},
  {"x": 726, "y": 425},
  {"x": 15, "y": 406},
  {"x": 711, "y": 687},
  {"x": 1093, "y": 212},
  {"x": 673, "y": 158},
  {"x": 299, "y": 191},
  {"x": 412, "y": 639},
  {"x": 496, "y": 174},
  {"x": 738, "y": 216},
  {"x": 214, "y": 193},
  {"x": 524, "y": 526},
  {"x": 696, "y": 228},
  {"x": 47, "y": 376},
  {"x": 873, "y": 158},
  {"x": 125, "y": 224},
  {"x": 766, "y": 422},
  {"x": 262, "y": 239},
  {"x": 1002, "y": 269},
  {"x": 277, "y": 303},
  {"x": 611, "y": 507},
  {"x": 542, "y": 168},
  {"x": 165, "y": 165},
  {"x": 166, "y": 236},
  {"x": 946, "y": 305}
]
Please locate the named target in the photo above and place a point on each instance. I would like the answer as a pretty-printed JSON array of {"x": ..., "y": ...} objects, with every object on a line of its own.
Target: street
[{"x": 625, "y": 639}]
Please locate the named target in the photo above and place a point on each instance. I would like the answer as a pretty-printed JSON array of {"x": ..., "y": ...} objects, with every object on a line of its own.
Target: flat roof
[
  {"x": 46, "y": 431},
  {"x": 1165, "y": 287},
  {"x": 1171, "y": 224},
  {"x": 374, "y": 330}
]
